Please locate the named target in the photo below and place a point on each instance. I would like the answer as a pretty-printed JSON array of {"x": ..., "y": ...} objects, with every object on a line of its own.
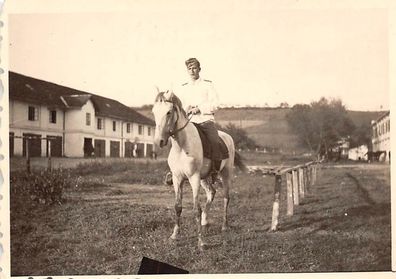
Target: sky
[{"x": 254, "y": 55}]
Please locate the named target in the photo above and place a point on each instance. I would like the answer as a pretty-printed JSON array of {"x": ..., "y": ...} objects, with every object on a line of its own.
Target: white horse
[{"x": 186, "y": 160}]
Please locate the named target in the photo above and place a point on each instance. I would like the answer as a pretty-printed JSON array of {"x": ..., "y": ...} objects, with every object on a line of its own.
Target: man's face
[{"x": 193, "y": 71}]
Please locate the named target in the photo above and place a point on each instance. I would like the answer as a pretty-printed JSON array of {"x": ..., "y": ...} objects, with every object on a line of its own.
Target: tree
[
  {"x": 299, "y": 119},
  {"x": 284, "y": 105},
  {"x": 321, "y": 124},
  {"x": 361, "y": 136},
  {"x": 239, "y": 135}
]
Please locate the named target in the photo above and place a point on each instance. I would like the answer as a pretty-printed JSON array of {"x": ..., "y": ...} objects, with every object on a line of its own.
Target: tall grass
[{"x": 43, "y": 187}]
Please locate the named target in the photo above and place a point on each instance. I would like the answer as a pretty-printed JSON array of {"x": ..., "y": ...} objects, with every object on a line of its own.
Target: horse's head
[{"x": 167, "y": 110}]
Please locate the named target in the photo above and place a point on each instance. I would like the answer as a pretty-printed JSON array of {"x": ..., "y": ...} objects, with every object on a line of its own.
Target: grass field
[{"x": 110, "y": 221}]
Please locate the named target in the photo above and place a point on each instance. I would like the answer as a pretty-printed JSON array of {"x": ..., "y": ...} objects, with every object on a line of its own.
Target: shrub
[
  {"x": 44, "y": 187},
  {"x": 240, "y": 137}
]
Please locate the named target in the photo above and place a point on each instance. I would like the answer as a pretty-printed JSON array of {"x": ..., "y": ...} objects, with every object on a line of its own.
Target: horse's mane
[{"x": 172, "y": 98}]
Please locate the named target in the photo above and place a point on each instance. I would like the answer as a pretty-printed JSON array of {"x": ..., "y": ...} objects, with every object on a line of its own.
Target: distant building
[
  {"x": 340, "y": 150},
  {"x": 380, "y": 137},
  {"x": 359, "y": 153},
  {"x": 77, "y": 123}
]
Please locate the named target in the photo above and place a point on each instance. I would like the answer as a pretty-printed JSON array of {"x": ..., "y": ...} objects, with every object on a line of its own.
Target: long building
[
  {"x": 381, "y": 136},
  {"x": 77, "y": 123}
]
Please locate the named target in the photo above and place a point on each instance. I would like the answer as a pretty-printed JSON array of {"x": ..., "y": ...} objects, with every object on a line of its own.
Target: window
[
  {"x": 149, "y": 131},
  {"x": 140, "y": 130},
  {"x": 128, "y": 128},
  {"x": 52, "y": 116},
  {"x": 33, "y": 113},
  {"x": 114, "y": 126},
  {"x": 100, "y": 123},
  {"x": 88, "y": 119}
]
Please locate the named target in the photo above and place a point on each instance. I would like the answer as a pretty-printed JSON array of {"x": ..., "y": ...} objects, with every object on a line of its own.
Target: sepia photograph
[{"x": 183, "y": 137}]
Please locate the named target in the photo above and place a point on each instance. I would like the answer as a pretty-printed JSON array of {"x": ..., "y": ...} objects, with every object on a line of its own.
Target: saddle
[{"x": 207, "y": 145}]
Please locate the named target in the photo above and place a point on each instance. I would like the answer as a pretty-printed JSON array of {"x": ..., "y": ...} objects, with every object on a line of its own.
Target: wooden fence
[{"x": 299, "y": 179}]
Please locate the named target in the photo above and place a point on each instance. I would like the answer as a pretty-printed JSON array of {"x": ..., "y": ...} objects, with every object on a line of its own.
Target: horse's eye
[{"x": 168, "y": 113}]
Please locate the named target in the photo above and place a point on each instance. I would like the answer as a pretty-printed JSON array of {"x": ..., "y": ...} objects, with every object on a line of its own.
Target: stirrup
[{"x": 168, "y": 179}]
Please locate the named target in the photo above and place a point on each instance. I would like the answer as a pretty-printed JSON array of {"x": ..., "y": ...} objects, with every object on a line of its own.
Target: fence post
[
  {"x": 296, "y": 194},
  {"x": 301, "y": 182},
  {"x": 49, "y": 155},
  {"x": 27, "y": 155},
  {"x": 290, "y": 209},
  {"x": 306, "y": 180},
  {"x": 275, "y": 208},
  {"x": 314, "y": 174}
]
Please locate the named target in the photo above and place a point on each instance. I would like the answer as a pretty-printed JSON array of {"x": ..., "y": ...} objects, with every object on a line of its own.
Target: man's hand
[{"x": 193, "y": 110}]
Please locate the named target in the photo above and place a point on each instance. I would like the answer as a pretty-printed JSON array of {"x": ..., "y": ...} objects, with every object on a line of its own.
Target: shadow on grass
[
  {"x": 351, "y": 218},
  {"x": 361, "y": 190}
]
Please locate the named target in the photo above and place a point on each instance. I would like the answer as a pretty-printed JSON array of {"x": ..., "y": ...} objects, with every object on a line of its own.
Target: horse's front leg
[
  {"x": 178, "y": 187},
  {"x": 195, "y": 182}
]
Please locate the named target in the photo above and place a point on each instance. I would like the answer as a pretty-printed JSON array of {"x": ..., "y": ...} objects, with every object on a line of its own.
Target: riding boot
[{"x": 168, "y": 179}]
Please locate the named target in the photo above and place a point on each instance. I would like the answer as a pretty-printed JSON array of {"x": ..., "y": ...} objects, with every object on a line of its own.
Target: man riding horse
[{"x": 200, "y": 102}]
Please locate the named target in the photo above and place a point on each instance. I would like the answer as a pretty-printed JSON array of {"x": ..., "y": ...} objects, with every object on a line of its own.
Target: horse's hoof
[
  {"x": 173, "y": 237},
  {"x": 202, "y": 245},
  {"x": 224, "y": 228}
]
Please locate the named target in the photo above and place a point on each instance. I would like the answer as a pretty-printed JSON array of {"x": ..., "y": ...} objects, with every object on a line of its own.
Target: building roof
[
  {"x": 40, "y": 92},
  {"x": 383, "y": 116}
]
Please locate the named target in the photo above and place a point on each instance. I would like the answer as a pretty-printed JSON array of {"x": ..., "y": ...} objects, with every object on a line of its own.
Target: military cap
[{"x": 193, "y": 61}]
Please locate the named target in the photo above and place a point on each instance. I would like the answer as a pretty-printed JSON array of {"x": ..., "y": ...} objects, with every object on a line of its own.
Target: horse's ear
[
  {"x": 158, "y": 97},
  {"x": 168, "y": 95}
]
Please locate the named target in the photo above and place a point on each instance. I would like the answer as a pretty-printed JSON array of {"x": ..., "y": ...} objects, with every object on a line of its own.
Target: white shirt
[{"x": 199, "y": 93}]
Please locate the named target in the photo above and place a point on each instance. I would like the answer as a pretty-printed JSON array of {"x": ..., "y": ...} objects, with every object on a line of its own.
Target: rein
[{"x": 173, "y": 133}]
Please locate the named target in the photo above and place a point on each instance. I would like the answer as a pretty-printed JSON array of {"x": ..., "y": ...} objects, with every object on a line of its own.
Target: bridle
[{"x": 172, "y": 132}]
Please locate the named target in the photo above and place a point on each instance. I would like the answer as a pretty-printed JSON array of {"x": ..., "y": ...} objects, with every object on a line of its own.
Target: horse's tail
[{"x": 239, "y": 162}]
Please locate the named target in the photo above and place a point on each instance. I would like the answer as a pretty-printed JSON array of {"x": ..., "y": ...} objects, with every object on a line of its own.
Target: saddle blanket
[{"x": 207, "y": 145}]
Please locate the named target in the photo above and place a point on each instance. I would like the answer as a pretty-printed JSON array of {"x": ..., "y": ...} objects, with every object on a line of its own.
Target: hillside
[
  {"x": 364, "y": 117},
  {"x": 268, "y": 126}
]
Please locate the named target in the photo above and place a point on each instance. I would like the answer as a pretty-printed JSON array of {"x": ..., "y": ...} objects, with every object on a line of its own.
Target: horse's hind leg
[
  {"x": 178, "y": 206},
  {"x": 226, "y": 175},
  {"x": 210, "y": 193}
]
